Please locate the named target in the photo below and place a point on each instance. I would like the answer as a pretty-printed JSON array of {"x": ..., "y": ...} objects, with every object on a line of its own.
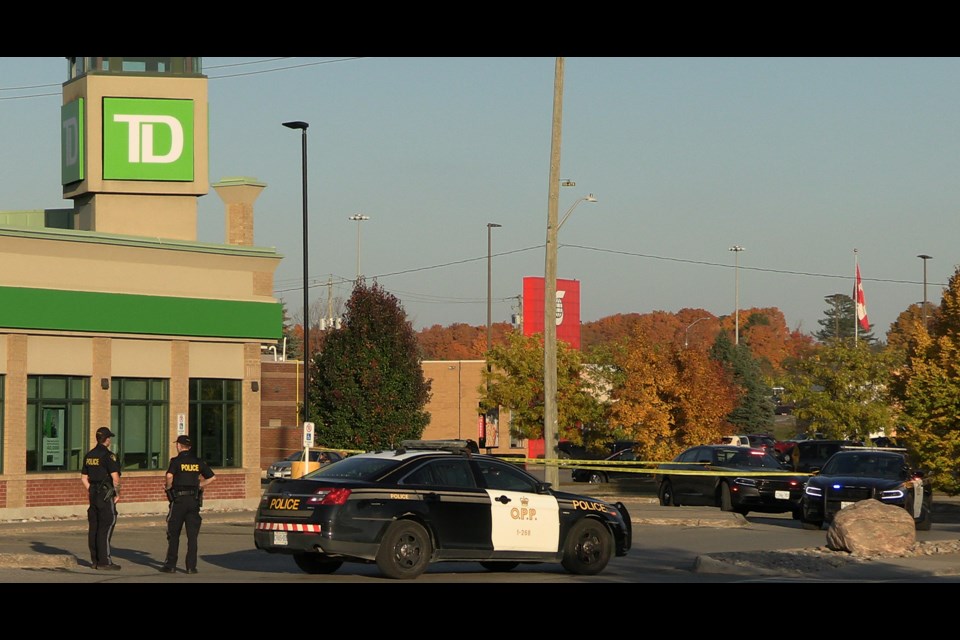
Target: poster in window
[
  {"x": 493, "y": 427},
  {"x": 53, "y": 437}
]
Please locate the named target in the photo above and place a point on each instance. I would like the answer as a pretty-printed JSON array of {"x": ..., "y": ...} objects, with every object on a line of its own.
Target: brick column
[{"x": 15, "y": 422}]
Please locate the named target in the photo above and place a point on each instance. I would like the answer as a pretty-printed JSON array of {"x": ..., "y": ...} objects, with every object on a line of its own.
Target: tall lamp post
[
  {"x": 736, "y": 278},
  {"x": 689, "y": 326},
  {"x": 924, "y": 257},
  {"x": 298, "y": 124},
  {"x": 490, "y": 225},
  {"x": 359, "y": 218}
]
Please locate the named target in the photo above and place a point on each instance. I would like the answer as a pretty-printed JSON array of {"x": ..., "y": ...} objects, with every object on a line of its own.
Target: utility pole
[
  {"x": 551, "y": 471},
  {"x": 736, "y": 277}
]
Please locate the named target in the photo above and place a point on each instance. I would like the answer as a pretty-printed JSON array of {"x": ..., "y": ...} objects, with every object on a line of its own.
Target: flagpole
[{"x": 856, "y": 298}]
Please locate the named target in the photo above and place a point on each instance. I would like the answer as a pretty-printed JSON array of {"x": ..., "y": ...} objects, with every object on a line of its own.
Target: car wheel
[
  {"x": 499, "y": 567},
  {"x": 596, "y": 477},
  {"x": 316, "y": 563},
  {"x": 667, "y": 499},
  {"x": 726, "y": 501},
  {"x": 587, "y": 548},
  {"x": 925, "y": 521},
  {"x": 405, "y": 550}
]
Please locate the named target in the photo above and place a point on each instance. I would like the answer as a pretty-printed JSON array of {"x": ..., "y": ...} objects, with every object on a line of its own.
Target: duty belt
[{"x": 185, "y": 492}]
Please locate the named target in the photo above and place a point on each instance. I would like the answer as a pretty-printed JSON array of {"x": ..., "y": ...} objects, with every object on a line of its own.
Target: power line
[
  {"x": 433, "y": 299},
  {"x": 223, "y": 66}
]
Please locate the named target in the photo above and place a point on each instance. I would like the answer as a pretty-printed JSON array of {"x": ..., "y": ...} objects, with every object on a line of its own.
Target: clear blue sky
[{"x": 798, "y": 160}]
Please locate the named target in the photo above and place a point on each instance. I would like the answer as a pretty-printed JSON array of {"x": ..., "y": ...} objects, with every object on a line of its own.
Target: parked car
[
  {"x": 762, "y": 441},
  {"x": 426, "y": 502},
  {"x": 568, "y": 450},
  {"x": 609, "y": 470},
  {"x": 725, "y": 487},
  {"x": 283, "y": 468},
  {"x": 807, "y": 456},
  {"x": 736, "y": 441},
  {"x": 863, "y": 473}
]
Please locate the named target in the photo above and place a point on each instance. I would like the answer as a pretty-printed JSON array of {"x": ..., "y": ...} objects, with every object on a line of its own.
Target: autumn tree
[
  {"x": 367, "y": 387},
  {"x": 669, "y": 398},
  {"x": 753, "y": 412},
  {"x": 928, "y": 389},
  {"x": 840, "y": 391},
  {"x": 515, "y": 381},
  {"x": 907, "y": 322},
  {"x": 460, "y": 341},
  {"x": 765, "y": 333}
]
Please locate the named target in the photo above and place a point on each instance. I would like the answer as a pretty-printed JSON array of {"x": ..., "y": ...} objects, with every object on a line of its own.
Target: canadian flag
[{"x": 861, "y": 304}]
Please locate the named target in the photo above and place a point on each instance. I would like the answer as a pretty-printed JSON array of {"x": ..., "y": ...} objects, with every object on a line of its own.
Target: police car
[
  {"x": 435, "y": 501},
  {"x": 862, "y": 473}
]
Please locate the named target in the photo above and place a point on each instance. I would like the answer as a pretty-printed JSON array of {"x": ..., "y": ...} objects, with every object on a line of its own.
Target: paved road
[{"x": 668, "y": 541}]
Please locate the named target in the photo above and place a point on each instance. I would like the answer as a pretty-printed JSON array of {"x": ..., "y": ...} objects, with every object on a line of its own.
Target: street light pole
[
  {"x": 302, "y": 126},
  {"x": 924, "y": 257},
  {"x": 551, "y": 472},
  {"x": 736, "y": 277},
  {"x": 586, "y": 198},
  {"x": 687, "y": 330},
  {"x": 490, "y": 225},
  {"x": 359, "y": 218}
]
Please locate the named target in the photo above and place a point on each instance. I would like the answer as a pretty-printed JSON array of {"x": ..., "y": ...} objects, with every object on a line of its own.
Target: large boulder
[{"x": 870, "y": 527}]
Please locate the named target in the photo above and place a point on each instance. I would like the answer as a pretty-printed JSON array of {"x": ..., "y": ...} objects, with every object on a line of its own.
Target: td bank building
[{"x": 113, "y": 314}]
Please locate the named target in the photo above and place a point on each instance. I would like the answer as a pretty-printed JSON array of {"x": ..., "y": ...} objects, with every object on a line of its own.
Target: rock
[{"x": 870, "y": 527}]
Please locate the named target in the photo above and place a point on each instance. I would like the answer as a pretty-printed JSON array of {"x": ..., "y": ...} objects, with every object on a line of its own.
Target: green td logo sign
[{"x": 147, "y": 139}]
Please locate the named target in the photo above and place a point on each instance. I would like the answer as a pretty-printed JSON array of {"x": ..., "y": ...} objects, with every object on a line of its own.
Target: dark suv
[{"x": 807, "y": 456}]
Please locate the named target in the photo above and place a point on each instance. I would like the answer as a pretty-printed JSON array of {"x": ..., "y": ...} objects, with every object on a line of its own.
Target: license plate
[
  {"x": 844, "y": 505},
  {"x": 280, "y": 538},
  {"x": 781, "y": 495}
]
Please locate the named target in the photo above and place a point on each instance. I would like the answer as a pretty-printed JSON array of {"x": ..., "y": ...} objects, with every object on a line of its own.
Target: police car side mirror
[{"x": 543, "y": 487}]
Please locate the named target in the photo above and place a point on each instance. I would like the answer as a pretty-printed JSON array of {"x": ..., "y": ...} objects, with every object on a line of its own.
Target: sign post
[{"x": 301, "y": 467}]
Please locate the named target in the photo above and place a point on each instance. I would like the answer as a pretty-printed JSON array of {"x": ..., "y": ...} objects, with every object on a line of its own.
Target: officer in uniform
[
  {"x": 101, "y": 478},
  {"x": 186, "y": 477}
]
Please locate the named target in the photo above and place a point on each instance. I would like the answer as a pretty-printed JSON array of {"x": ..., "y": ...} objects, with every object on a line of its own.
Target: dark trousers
[
  {"x": 101, "y": 518},
  {"x": 185, "y": 510}
]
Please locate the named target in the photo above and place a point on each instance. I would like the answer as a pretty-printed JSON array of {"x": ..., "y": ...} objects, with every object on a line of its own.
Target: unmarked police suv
[{"x": 435, "y": 501}]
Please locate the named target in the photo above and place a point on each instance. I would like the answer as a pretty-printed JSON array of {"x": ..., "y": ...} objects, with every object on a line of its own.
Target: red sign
[{"x": 567, "y": 305}]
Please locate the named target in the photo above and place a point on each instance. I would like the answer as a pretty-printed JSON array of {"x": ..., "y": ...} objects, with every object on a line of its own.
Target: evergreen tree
[
  {"x": 367, "y": 386},
  {"x": 839, "y": 322},
  {"x": 754, "y": 410}
]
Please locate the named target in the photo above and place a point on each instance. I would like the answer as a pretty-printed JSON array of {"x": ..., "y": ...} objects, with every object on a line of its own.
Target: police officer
[
  {"x": 101, "y": 478},
  {"x": 186, "y": 477}
]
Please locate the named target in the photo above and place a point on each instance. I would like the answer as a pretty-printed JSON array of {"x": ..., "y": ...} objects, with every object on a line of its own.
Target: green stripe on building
[{"x": 58, "y": 310}]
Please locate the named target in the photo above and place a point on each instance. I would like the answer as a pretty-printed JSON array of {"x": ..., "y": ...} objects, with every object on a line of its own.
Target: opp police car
[{"x": 435, "y": 501}]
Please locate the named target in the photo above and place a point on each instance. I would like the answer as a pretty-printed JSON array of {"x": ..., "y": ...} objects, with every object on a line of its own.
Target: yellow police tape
[{"x": 623, "y": 465}]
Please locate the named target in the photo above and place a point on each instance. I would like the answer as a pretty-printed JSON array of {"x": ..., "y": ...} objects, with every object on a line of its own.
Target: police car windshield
[
  {"x": 355, "y": 468},
  {"x": 869, "y": 465}
]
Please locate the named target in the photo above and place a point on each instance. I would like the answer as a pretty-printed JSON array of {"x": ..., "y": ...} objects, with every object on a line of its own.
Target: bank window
[
  {"x": 58, "y": 410},
  {"x": 139, "y": 408},
  {"x": 215, "y": 420}
]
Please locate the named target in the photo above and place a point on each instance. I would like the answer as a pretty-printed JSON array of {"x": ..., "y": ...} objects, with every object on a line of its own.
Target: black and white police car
[
  {"x": 862, "y": 473},
  {"x": 435, "y": 501}
]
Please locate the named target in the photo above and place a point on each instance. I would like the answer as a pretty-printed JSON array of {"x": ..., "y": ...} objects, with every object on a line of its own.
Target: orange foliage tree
[{"x": 670, "y": 398}]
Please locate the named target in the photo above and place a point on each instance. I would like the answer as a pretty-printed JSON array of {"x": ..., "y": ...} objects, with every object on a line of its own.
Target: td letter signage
[{"x": 147, "y": 139}]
